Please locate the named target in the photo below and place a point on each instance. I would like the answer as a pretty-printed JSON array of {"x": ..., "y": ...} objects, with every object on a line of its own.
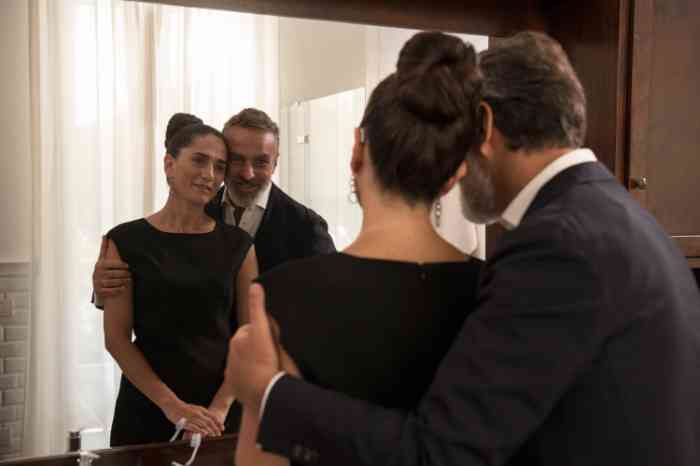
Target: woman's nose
[{"x": 208, "y": 171}]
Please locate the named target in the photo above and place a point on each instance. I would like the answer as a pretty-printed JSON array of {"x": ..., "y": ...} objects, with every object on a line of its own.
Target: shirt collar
[
  {"x": 515, "y": 211},
  {"x": 260, "y": 200}
]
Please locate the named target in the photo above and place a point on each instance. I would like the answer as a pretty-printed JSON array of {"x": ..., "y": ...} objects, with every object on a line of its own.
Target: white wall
[
  {"x": 15, "y": 161},
  {"x": 319, "y": 58}
]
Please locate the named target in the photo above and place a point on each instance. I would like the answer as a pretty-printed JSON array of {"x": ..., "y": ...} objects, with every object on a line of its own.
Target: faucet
[{"x": 85, "y": 458}]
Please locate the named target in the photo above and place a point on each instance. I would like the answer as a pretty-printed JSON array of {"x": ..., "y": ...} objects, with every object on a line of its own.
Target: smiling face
[
  {"x": 197, "y": 171},
  {"x": 252, "y": 161}
]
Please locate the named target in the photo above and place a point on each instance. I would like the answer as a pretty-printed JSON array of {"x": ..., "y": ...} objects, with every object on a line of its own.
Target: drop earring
[
  {"x": 352, "y": 195},
  {"x": 437, "y": 209}
]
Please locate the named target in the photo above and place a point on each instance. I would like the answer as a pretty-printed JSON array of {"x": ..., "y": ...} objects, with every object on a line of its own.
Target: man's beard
[
  {"x": 478, "y": 195},
  {"x": 245, "y": 199}
]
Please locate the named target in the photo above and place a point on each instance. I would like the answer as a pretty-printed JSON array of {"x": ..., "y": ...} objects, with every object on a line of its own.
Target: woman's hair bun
[
  {"x": 434, "y": 74},
  {"x": 179, "y": 121}
]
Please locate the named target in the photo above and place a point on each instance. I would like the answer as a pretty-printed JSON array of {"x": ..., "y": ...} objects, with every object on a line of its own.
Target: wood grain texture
[
  {"x": 595, "y": 35},
  {"x": 213, "y": 452},
  {"x": 494, "y": 17},
  {"x": 664, "y": 128}
]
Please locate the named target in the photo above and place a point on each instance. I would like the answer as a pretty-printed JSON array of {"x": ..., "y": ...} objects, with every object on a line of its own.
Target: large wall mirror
[{"x": 91, "y": 85}]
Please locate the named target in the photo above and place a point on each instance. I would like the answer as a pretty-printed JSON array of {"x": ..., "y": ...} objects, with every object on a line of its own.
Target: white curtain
[{"x": 105, "y": 77}]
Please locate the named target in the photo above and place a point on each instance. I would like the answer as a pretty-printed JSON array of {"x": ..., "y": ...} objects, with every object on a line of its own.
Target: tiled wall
[{"x": 14, "y": 334}]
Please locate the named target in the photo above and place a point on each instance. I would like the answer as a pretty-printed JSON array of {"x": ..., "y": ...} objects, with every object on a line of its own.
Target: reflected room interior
[
  {"x": 91, "y": 85},
  {"x": 93, "y": 88}
]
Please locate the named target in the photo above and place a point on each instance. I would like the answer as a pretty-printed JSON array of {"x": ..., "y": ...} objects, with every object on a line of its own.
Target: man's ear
[
  {"x": 358, "y": 153},
  {"x": 486, "y": 145},
  {"x": 277, "y": 158},
  {"x": 459, "y": 174}
]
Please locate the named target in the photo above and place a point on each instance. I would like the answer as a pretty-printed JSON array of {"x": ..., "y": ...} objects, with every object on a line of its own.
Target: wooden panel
[
  {"x": 213, "y": 452},
  {"x": 595, "y": 36},
  {"x": 485, "y": 17},
  {"x": 640, "y": 91},
  {"x": 689, "y": 244},
  {"x": 672, "y": 133}
]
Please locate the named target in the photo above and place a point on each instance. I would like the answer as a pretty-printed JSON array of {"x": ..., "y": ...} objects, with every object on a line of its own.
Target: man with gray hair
[
  {"x": 585, "y": 345},
  {"x": 282, "y": 228}
]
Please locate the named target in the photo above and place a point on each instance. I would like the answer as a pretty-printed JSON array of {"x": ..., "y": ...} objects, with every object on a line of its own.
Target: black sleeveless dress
[
  {"x": 183, "y": 309},
  {"x": 373, "y": 329}
]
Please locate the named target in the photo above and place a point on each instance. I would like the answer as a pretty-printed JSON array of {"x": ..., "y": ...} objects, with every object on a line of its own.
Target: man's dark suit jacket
[
  {"x": 288, "y": 230},
  {"x": 584, "y": 350}
]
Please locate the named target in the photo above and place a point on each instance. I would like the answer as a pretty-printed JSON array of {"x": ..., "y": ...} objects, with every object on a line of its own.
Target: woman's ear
[
  {"x": 358, "y": 152},
  {"x": 459, "y": 174},
  {"x": 486, "y": 145},
  {"x": 168, "y": 167}
]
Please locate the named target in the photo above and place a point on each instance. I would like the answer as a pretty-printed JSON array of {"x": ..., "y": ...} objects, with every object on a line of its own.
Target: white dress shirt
[
  {"x": 252, "y": 215},
  {"x": 511, "y": 216},
  {"x": 514, "y": 213}
]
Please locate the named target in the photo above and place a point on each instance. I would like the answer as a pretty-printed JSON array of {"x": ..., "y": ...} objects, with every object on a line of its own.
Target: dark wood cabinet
[{"x": 664, "y": 153}]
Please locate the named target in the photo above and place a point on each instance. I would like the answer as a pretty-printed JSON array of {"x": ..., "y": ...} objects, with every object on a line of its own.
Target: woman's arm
[
  {"x": 224, "y": 397},
  {"x": 118, "y": 325}
]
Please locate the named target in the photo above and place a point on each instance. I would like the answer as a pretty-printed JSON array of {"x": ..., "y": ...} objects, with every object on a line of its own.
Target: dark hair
[
  {"x": 537, "y": 100},
  {"x": 183, "y": 128},
  {"x": 254, "y": 119},
  {"x": 423, "y": 119}
]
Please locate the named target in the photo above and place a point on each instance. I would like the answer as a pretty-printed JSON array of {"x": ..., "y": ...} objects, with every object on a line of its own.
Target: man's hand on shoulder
[
  {"x": 253, "y": 358},
  {"x": 110, "y": 276}
]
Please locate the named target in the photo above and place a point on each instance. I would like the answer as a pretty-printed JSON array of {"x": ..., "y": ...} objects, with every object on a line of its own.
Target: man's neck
[{"x": 521, "y": 167}]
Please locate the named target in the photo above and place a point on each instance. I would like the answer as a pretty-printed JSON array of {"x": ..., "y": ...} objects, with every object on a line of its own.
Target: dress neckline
[
  {"x": 467, "y": 260},
  {"x": 154, "y": 228}
]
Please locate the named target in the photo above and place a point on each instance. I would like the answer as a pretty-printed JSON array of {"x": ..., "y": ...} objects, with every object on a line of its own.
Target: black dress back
[
  {"x": 183, "y": 303},
  {"x": 372, "y": 329}
]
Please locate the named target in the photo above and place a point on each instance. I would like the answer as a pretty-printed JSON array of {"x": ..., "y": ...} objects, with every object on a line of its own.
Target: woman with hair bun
[
  {"x": 374, "y": 320},
  {"x": 187, "y": 271}
]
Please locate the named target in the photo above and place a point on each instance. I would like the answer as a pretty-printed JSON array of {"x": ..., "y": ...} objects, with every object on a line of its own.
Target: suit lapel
[{"x": 268, "y": 215}]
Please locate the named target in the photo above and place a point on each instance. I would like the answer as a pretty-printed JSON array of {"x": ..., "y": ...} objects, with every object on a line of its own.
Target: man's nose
[{"x": 247, "y": 171}]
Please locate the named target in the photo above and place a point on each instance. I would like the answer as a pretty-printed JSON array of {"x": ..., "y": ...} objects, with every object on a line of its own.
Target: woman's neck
[
  {"x": 394, "y": 229},
  {"x": 179, "y": 216}
]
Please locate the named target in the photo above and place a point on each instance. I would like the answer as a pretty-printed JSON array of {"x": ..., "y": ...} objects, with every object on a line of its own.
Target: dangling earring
[
  {"x": 437, "y": 209},
  {"x": 352, "y": 195},
  {"x": 169, "y": 180}
]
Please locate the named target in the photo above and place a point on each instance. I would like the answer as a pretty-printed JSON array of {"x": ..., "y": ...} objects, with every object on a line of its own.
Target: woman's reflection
[
  {"x": 186, "y": 272},
  {"x": 375, "y": 320}
]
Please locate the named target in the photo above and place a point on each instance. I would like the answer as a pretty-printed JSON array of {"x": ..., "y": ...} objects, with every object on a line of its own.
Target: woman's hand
[{"x": 200, "y": 420}]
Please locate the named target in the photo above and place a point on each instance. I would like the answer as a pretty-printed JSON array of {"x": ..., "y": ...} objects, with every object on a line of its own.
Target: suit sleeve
[
  {"x": 318, "y": 240},
  {"x": 537, "y": 327}
]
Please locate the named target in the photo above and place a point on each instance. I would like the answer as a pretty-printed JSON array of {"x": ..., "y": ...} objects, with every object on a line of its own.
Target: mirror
[{"x": 90, "y": 94}]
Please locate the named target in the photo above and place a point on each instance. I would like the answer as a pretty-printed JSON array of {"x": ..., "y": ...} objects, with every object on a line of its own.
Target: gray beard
[
  {"x": 244, "y": 199},
  {"x": 478, "y": 198}
]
